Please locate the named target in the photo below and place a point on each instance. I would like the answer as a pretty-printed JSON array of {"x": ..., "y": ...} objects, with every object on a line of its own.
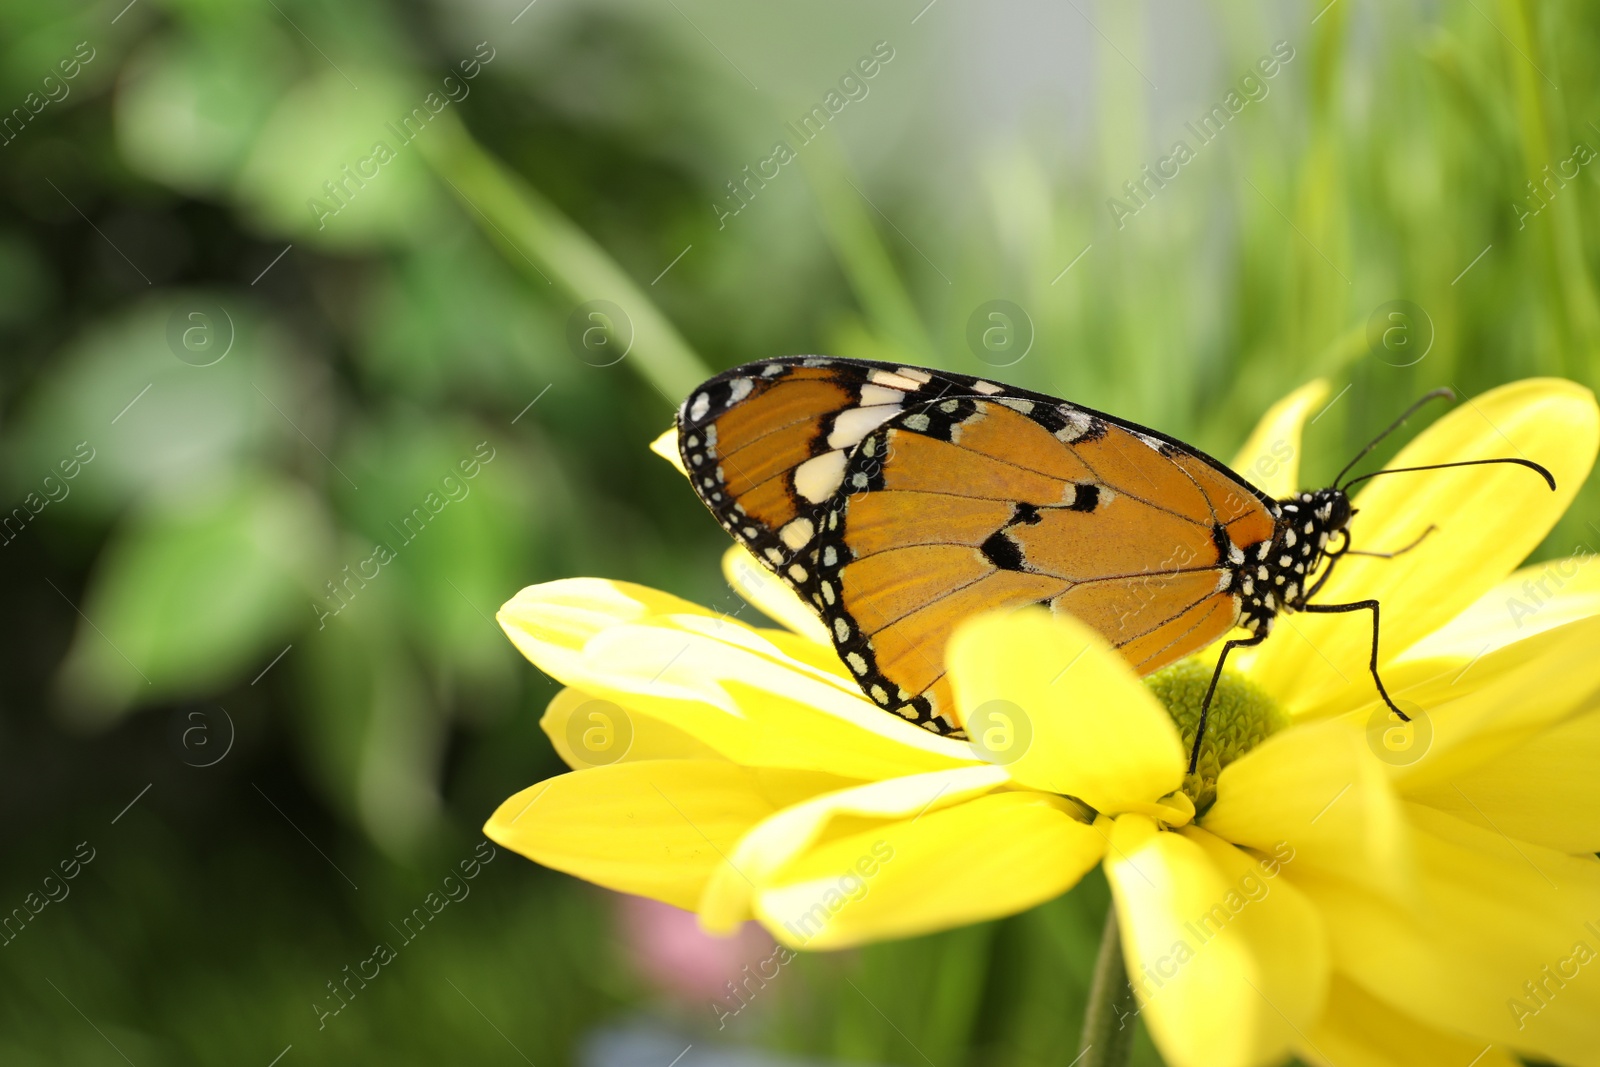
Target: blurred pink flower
[{"x": 668, "y": 949}]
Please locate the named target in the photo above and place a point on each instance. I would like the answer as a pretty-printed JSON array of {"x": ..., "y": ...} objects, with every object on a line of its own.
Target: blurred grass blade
[{"x": 560, "y": 254}]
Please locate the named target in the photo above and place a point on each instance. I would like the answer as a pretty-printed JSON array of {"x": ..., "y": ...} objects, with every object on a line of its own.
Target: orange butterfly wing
[{"x": 898, "y": 501}]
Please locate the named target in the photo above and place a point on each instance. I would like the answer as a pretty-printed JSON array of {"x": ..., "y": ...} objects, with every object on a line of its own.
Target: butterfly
[{"x": 897, "y": 501}]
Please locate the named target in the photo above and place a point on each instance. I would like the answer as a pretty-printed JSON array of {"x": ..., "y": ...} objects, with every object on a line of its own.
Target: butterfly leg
[
  {"x": 1372, "y": 664},
  {"x": 1216, "y": 676},
  {"x": 1345, "y": 550},
  {"x": 1327, "y": 572},
  {"x": 1421, "y": 537}
]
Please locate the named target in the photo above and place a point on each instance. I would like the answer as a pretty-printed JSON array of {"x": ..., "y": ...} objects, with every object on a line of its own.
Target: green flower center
[{"x": 1242, "y": 716}]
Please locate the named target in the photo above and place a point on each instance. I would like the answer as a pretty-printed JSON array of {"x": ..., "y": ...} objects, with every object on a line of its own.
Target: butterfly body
[
  {"x": 1278, "y": 575},
  {"x": 898, "y": 500}
]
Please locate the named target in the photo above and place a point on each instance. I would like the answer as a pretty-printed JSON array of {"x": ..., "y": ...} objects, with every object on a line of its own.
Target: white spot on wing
[
  {"x": 819, "y": 477},
  {"x": 921, "y": 377},
  {"x": 898, "y": 381},
  {"x": 852, "y": 424},
  {"x": 917, "y": 423},
  {"x": 738, "y": 389},
  {"x": 1024, "y": 406},
  {"x": 872, "y": 395},
  {"x": 797, "y": 533},
  {"x": 699, "y": 406},
  {"x": 987, "y": 388},
  {"x": 1077, "y": 424}
]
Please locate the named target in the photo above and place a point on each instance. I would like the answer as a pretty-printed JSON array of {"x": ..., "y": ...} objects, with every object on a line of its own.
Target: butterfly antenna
[
  {"x": 1447, "y": 394},
  {"x": 1549, "y": 478}
]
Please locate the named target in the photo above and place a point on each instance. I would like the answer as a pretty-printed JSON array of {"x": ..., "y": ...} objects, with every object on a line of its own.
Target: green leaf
[
  {"x": 190, "y": 106},
  {"x": 193, "y": 594},
  {"x": 337, "y": 167},
  {"x": 155, "y": 423}
]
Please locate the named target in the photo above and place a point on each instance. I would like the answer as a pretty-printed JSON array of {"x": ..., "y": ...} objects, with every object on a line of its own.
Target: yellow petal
[
  {"x": 1488, "y": 519},
  {"x": 1496, "y": 914},
  {"x": 1534, "y": 599},
  {"x": 657, "y": 829},
  {"x": 1316, "y": 796},
  {"x": 666, "y": 446},
  {"x": 767, "y": 592},
  {"x": 1228, "y": 963},
  {"x": 1054, "y": 704},
  {"x": 992, "y": 856},
  {"x": 1478, "y": 710},
  {"x": 1546, "y": 790},
  {"x": 588, "y": 731},
  {"x": 777, "y": 841},
  {"x": 1359, "y": 1030},
  {"x": 1270, "y": 460},
  {"x": 727, "y": 685}
]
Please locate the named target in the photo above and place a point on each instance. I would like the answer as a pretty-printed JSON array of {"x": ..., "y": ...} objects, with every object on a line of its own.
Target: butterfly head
[
  {"x": 1307, "y": 521},
  {"x": 1279, "y": 575},
  {"x": 1331, "y": 509}
]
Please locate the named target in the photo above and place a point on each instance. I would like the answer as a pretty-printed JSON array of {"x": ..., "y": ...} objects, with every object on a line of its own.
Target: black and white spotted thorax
[{"x": 1276, "y": 576}]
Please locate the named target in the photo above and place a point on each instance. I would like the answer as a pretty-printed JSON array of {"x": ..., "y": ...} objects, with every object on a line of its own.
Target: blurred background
[{"x": 326, "y": 327}]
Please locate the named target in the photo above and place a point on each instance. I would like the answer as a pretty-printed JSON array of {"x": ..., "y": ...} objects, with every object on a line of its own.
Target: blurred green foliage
[{"x": 181, "y": 612}]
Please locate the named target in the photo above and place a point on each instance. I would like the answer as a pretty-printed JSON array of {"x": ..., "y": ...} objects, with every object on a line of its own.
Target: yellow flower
[{"x": 1359, "y": 893}]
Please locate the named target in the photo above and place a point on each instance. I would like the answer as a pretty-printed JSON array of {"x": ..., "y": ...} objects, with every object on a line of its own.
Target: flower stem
[{"x": 1108, "y": 1021}]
